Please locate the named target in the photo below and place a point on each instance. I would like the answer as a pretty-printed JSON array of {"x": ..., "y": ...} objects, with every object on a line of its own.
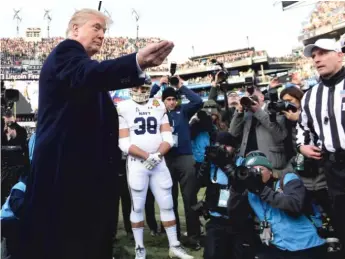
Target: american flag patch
[{"x": 342, "y": 93}]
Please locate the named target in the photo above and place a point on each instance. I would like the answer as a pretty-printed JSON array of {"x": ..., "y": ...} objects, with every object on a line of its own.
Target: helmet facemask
[{"x": 142, "y": 95}]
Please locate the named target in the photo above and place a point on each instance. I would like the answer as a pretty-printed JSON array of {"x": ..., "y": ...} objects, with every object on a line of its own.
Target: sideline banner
[{"x": 8, "y": 76}]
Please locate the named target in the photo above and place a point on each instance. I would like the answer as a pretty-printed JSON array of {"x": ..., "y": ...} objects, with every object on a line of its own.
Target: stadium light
[
  {"x": 18, "y": 18},
  {"x": 136, "y": 17},
  {"x": 47, "y": 17},
  {"x": 107, "y": 13}
]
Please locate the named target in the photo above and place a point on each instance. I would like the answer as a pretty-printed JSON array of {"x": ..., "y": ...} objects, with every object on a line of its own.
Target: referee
[{"x": 320, "y": 130}]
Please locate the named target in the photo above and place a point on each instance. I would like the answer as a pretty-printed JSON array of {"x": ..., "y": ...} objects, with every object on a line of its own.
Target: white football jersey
[{"x": 144, "y": 122}]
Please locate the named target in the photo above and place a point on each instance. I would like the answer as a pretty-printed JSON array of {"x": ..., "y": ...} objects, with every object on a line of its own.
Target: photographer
[
  {"x": 309, "y": 170},
  {"x": 12, "y": 209},
  {"x": 201, "y": 131},
  {"x": 14, "y": 154},
  {"x": 232, "y": 96},
  {"x": 15, "y": 135},
  {"x": 253, "y": 122},
  {"x": 285, "y": 231},
  {"x": 213, "y": 109},
  {"x": 223, "y": 238}
]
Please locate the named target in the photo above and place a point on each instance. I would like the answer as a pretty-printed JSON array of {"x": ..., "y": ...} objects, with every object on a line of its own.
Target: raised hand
[{"x": 154, "y": 54}]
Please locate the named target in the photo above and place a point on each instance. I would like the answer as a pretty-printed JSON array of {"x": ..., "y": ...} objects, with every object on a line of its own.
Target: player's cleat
[
  {"x": 140, "y": 253},
  {"x": 179, "y": 252}
]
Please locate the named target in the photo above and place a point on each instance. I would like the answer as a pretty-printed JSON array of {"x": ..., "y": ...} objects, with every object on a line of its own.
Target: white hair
[{"x": 80, "y": 17}]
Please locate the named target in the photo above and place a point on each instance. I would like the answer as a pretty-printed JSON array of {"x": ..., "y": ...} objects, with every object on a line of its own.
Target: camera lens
[
  {"x": 246, "y": 101},
  {"x": 242, "y": 173},
  {"x": 221, "y": 76}
]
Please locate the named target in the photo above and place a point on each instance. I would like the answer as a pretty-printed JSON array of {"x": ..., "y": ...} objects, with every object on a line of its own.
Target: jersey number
[{"x": 149, "y": 125}]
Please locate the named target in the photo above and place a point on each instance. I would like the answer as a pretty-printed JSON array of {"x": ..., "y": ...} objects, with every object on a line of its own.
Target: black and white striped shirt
[{"x": 322, "y": 120}]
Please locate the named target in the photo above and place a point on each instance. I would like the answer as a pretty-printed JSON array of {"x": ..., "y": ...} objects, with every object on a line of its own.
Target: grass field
[{"x": 156, "y": 247}]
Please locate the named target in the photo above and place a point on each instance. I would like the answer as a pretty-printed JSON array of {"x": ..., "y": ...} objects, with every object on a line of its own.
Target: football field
[{"x": 156, "y": 247}]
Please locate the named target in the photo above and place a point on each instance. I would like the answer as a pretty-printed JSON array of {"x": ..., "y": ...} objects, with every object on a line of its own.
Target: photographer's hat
[
  {"x": 255, "y": 158},
  {"x": 211, "y": 107},
  {"x": 169, "y": 92},
  {"x": 326, "y": 44}
]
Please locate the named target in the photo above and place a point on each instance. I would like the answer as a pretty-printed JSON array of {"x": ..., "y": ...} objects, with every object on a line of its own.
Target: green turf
[{"x": 156, "y": 247}]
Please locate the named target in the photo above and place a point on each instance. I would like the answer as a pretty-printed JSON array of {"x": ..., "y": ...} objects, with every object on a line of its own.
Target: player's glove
[{"x": 153, "y": 160}]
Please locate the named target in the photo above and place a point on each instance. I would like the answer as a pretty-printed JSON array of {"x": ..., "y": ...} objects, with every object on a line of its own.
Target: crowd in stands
[
  {"x": 325, "y": 13},
  {"x": 15, "y": 50},
  {"x": 114, "y": 47},
  {"x": 287, "y": 58},
  {"x": 224, "y": 58}
]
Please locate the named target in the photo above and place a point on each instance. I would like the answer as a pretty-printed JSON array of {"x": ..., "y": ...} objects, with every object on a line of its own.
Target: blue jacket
[
  {"x": 179, "y": 121},
  {"x": 291, "y": 229},
  {"x": 14, "y": 202},
  {"x": 32, "y": 141},
  {"x": 222, "y": 179},
  {"x": 76, "y": 153},
  {"x": 199, "y": 145}
]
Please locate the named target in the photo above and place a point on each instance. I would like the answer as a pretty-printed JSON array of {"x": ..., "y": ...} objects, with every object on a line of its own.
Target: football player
[{"x": 145, "y": 135}]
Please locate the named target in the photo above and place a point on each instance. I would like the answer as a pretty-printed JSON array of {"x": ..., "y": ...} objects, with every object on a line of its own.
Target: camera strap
[
  {"x": 281, "y": 182},
  {"x": 214, "y": 178},
  {"x": 266, "y": 234},
  {"x": 281, "y": 187}
]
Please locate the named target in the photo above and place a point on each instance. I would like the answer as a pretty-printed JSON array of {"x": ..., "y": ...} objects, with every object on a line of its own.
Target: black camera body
[
  {"x": 173, "y": 80},
  {"x": 243, "y": 173},
  {"x": 218, "y": 156},
  {"x": 276, "y": 106},
  {"x": 223, "y": 73},
  {"x": 246, "y": 177}
]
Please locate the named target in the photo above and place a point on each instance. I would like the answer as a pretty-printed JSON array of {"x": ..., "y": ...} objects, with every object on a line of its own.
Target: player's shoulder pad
[{"x": 122, "y": 106}]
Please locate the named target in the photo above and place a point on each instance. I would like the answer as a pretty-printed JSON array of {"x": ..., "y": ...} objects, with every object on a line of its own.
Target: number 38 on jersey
[
  {"x": 143, "y": 122},
  {"x": 148, "y": 125}
]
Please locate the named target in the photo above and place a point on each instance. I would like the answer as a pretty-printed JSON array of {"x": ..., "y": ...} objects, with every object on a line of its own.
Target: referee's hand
[
  {"x": 311, "y": 151},
  {"x": 154, "y": 54}
]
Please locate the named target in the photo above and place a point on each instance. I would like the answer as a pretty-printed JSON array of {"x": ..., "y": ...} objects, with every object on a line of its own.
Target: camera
[
  {"x": 246, "y": 101},
  {"x": 223, "y": 73},
  {"x": 276, "y": 106},
  {"x": 173, "y": 80},
  {"x": 243, "y": 173},
  {"x": 217, "y": 155},
  {"x": 8, "y": 98}
]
